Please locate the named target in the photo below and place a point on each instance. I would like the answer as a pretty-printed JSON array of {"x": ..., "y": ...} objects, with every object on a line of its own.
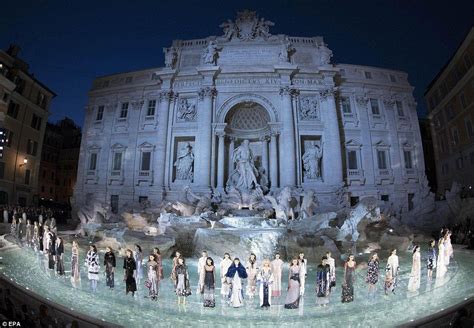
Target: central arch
[{"x": 247, "y": 120}]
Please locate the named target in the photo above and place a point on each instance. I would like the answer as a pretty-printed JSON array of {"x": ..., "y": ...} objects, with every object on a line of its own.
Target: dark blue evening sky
[{"x": 69, "y": 43}]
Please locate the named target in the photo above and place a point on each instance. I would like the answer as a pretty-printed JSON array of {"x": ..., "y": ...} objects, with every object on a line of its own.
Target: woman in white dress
[
  {"x": 224, "y": 266},
  {"x": 265, "y": 280},
  {"x": 277, "y": 268},
  {"x": 252, "y": 271},
  {"x": 441, "y": 265},
  {"x": 415, "y": 276},
  {"x": 391, "y": 272},
  {"x": 332, "y": 273},
  {"x": 302, "y": 263},
  {"x": 448, "y": 247},
  {"x": 46, "y": 239},
  {"x": 236, "y": 274}
]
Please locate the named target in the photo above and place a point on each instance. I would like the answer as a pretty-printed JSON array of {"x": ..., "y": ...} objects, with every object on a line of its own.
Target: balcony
[
  {"x": 355, "y": 177},
  {"x": 384, "y": 176},
  {"x": 145, "y": 178}
]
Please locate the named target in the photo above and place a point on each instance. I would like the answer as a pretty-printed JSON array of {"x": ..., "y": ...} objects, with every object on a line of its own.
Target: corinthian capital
[
  {"x": 165, "y": 95},
  {"x": 362, "y": 100},
  {"x": 389, "y": 102},
  {"x": 289, "y": 91},
  {"x": 207, "y": 92},
  {"x": 324, "y": 94}
]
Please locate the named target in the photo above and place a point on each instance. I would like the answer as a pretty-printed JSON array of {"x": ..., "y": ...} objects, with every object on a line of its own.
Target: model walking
[
  {"x": 292, "y": 300},
  {"x": 391, "y": 272},
  {"x": 349, "y": 279},
  {"x": 303, "y": 272},
  {"x": 92, "y": 263},
  {"x": 265, "y": 279},
  {"x": 415, "y": 275},
  {"x": 209, "y": 283},
  {"x": 431, "y": 259},
  {"x": 441, "y": 265},
  {"x": 236, "y": 274},
  {"x": 252, "y": 271},
  {"x": 75, "y": 275},
  {"x": 373, "y": 271},
  {"x": 277, "y": 268},
  {"x": 59, "y": 256},
  {"x": 323, "y": 282},
  {"x": 201, "y": 273},
  {"x": 332, "y": 273},
  {"x": 152, "y": 278},
  {"x": 138, "y": 255},
  {"x": 109, "y": 264},
  {"x": 224, "y": 266},
  {"x": 182, "y": 287},
  {"x": 130, "y": 268}
]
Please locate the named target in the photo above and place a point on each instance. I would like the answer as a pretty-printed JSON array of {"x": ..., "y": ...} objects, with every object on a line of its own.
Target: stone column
[
  {"x": 163, "y": 111},
  {"x": 220, "y": 159},
  {"x": 332, "y": 157},
  {"x": 265, "y": 154},
  {"x": 367, "y": 155},
  {"x": 273, "y": 161},
  {"x": 204, "y": 137},
  {"x": 287, "y": 139},
  {"x": 231, "y": 151}
]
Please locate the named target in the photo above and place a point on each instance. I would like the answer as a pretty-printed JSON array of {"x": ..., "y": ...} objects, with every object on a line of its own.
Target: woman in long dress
[
  {"x": 441, "y": 265},
  {"x": 265, "y": 279},
  {"x": 292, "y": 300},
  {"x": 29, "y": 233},
  {"x": 236, "y": 274},
  {"x": 302, "y": 262},
  {"x": 92, "y": 263},
  {"x": 75, "y": 274},
  {"x": 332, "y": 273},
  {"x": 209, "y": 299},
  {"x": 177, "y": 255},
  {"x": 35, "y": 242},
  {"x": 159, "y": 262},
  {"x": 252, "y": 271},
  {"x": 224, "y": 266},
  {"x": 349, "y": 279},
  {"x": 59, "y": 256},
  {"x": 323, "y": 282},
  {"x": 277, "y": 268},
  {"x": 46, "y": 238},
  {"x": 431, "y": 259},
  {"x": 448, "y": 247},
  {"x": 182, "y": 287},
  {"x": 152, "y": 278},
  {"x": 391, "y": 272},
  {"x": 138, "y": 256},
  {"x": 373, "y": 271},
  {"x": 129, "y": 267},
  {"x": 415, "y": 275},
  {"x": 109, "y": 264}
]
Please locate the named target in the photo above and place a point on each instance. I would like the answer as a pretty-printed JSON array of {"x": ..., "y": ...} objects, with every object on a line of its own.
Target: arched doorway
[{"x": 250, "y": 121}]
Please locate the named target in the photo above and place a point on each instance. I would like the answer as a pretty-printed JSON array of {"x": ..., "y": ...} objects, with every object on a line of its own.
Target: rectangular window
[
  {"x": 124, "y": 110},
  {"x": 346, "y": 105},
  {"x": 374, "y": 105},
  {"x": 146, "y": 158},
  {"x": 462, "y": 99},
  {"x": 352, "y": 160},
  {"x": 400, "y": 111},
  {"x": 2, "y": 170},
  {"x": 455, "y": 136},
  {"x": 385, "y": 198},
  {"x": 27, "y": 176},
  {"x": 368, "y": 75},
  {"x": 449, "y": 112},
  {"x": 471, "y": 155},
  {"x": 117, "y": 164},
  {"x": 41, "y": 100},
  {"x": 459, "y": 163},
  {"x": 411, "y": 205},
  {"x": 13, "y": 109},
  {"x": 36, "y": 122},
  {"x": 469, "y": 128},
  {"x": 392, "y": 78},
  {"x": 92, "y": 162},
  {"x": 151, "y": 108},
  {"x": 142, "y": 199},
  {"x": 408, "y": 159},
  {"x": 114, "y": 203},
  {"x": 100, "y": 113},
  {"x": 381, "y": 159}
]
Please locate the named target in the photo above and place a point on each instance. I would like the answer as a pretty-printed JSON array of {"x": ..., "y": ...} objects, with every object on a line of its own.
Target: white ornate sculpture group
[
  {"x": 312, "y": 161},
  {"x": 246, "y": 27},
  {"x": 211, "y": 53},
  {"x": 245, "y": 174},
  {"x": 286, "y": 51},
  {"x": 184, "y": 163},
  {"x": 171, "y": 57}
]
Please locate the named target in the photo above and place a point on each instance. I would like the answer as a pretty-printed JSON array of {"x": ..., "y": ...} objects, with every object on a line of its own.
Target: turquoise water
[{"x": 29, "y": 269}]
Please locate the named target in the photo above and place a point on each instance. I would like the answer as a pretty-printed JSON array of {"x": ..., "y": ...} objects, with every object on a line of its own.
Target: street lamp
[{"x": 25, "y": 161}]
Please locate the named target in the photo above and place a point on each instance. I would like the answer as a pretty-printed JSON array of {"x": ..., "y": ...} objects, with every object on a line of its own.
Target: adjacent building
[
  {"x": 450, "y": 98},
  {"x": 343, "y": 131},
  {"x": 24, "y": 103},
  {"x": 59, "y": 160}
]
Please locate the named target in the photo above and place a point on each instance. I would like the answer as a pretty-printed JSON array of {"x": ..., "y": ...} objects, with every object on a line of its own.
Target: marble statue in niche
[
  {"x": 184, "y": 163},
  {"x": 244, "y": 177},
  {"x": 312, "y": 161},
  {"x": 309, "y": 109},
  {"x": 211, "y": 53},
  {"x": 171, "y": 57},
  {"x": 186, "y": 111}
]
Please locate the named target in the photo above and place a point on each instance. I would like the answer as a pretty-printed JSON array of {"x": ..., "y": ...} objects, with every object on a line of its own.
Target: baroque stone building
[
  {"x": 344, "y": 131},
  {"x": 450, "y": 97}
]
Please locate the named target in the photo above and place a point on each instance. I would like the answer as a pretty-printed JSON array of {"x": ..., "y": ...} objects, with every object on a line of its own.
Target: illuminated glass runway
[{"x": 29, "y": 269}]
